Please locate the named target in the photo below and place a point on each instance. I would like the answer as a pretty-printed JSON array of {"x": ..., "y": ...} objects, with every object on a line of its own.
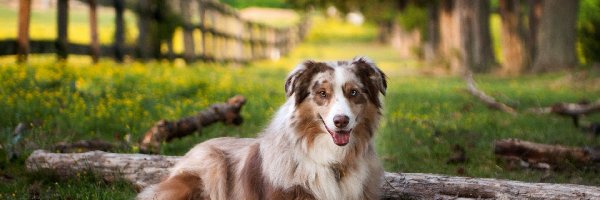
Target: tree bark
[
  {"x": 483, "y": 56},
  {"x": 432, "y": 40},
  {"x": 552, "y": 156},
  {"x": 465, "y": 40},
  {"x": 449, "y": 46},
  {"x": 556, "y": 36},
  {"x": 164, "y": 130},
  {"x": 516, "y": 55},
  {"x": 535, "y": 13},
  {"x": 143, "y": 170}
]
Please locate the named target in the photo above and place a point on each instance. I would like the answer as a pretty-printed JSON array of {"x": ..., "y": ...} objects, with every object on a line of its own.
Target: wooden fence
[{"x": 224, "y": 36}]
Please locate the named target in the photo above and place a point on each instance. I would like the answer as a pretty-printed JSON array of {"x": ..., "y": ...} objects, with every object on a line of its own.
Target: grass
[{"x": 424, "y": 116}]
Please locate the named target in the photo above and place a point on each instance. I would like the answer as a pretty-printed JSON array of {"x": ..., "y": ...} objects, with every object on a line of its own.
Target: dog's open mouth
[{"x": 340, "y": 137}]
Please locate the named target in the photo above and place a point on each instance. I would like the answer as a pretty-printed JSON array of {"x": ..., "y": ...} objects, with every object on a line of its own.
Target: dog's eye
[
  {"x": 323, "y": 94},
  {"x": 353, "y": 93}
]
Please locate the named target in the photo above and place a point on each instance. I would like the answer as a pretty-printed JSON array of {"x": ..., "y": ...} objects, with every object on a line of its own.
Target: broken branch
[
  {"x": 164, "y": 130},
  {"x": 487, "y": 100}
]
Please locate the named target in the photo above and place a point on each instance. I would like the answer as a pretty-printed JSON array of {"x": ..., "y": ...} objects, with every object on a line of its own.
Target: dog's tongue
[{"x": 340, "y": 138}]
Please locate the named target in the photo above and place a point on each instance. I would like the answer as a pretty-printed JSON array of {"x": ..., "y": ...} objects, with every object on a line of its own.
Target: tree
[
  {"x": 556, "y": 36},
  {"x": 516, "y": 54},
  {"x": 465, "y": 39},
  {"x": 480, "y": 54}
]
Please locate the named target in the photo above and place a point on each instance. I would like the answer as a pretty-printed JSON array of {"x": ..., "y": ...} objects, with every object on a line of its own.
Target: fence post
[
  {"x": 239, "y": 43},
  {"x": 62, "y": 42},
  {"x": 188, "y": 30},
  {"x": 250, "y": 30},
  {"x": 214, "y": 37},
  {"x": 94, "y": 45},
  {"x": 23, "y": 34},
  {"x": 119, "y": 39},
  {"x": 143, "y": 46},
  {"x": 202, "y": 10}
]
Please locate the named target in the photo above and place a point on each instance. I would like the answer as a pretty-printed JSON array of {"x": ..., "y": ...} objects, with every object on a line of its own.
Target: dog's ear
[
  {"x": 298, "y": 82},
  {"x": 375, "y": 79},
  {"x": 292, "y": 79}
]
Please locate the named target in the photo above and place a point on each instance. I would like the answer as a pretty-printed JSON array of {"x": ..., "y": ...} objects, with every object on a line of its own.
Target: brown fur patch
[
  {"x": 324, "y": 86},
  {"x": 303, "y": 79},
  {"x": 360, "y": 98},
  {"x": 256, "y": 186},
  {"x": 309, "y": 126},
  {"x": 339, "y": 171},
  {"x": 180, "y": 187},
  {"x": 252, "y": 178},
  {"x": 374, "y": 80},
  {"x": 295, "y": 192}
]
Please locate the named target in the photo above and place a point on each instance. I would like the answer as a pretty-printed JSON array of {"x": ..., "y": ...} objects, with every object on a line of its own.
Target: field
[{"x": 424, "y": 116}]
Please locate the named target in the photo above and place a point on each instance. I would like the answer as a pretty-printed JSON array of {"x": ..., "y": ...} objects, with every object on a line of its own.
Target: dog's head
[{"x": 342, "y": 99}]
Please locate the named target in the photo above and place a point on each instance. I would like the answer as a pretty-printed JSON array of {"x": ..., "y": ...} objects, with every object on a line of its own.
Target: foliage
[
  {"x": 256, "y": 3},
  {"x": 413, "y": 17},
  {"x": 588, "y": 27}
]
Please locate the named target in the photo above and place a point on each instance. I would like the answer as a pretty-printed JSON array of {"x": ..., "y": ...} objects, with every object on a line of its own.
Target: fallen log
[
  {"x": 164, "y": 130},
  {"x": 142, "y": 170},
  {"x": 554, "y": 156}
]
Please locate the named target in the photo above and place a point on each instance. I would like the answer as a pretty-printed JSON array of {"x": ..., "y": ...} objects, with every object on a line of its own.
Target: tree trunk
[
  {"x": 556, "y": 36},
  {"x": 384, "y": 30},
  {"x": 432, "y": 39},
  {"x": 516, "y": 55},
  {"x": 465, "y": 40},
  {"x": 535, "y": 13},
  {"x": 483, "y": 55},
  {"x": 449, "y": 46},
  {"x": 466, "y": 20},
  {"x": 143, "y": 170}
]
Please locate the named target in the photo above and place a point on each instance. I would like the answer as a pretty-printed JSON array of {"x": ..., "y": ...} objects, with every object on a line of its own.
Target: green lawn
[{"x": 424, "y": 115}]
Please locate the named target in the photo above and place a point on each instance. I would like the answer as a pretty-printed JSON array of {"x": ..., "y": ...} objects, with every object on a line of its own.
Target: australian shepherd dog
[{"x": 318, "y": 146}]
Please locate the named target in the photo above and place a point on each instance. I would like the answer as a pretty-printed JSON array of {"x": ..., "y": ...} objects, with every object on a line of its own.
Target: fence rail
[{"x": 224, "y": 35}]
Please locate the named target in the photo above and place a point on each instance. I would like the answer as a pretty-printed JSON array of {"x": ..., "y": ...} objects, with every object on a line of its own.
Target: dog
[{"x": 318, "y": 146}]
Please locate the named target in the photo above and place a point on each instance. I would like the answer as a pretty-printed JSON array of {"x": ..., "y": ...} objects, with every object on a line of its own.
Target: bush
[{"x": 588, "y": 33}]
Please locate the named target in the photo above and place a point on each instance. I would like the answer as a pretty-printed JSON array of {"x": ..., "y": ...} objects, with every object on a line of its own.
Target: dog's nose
[{"x": 341, "y": 121}]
